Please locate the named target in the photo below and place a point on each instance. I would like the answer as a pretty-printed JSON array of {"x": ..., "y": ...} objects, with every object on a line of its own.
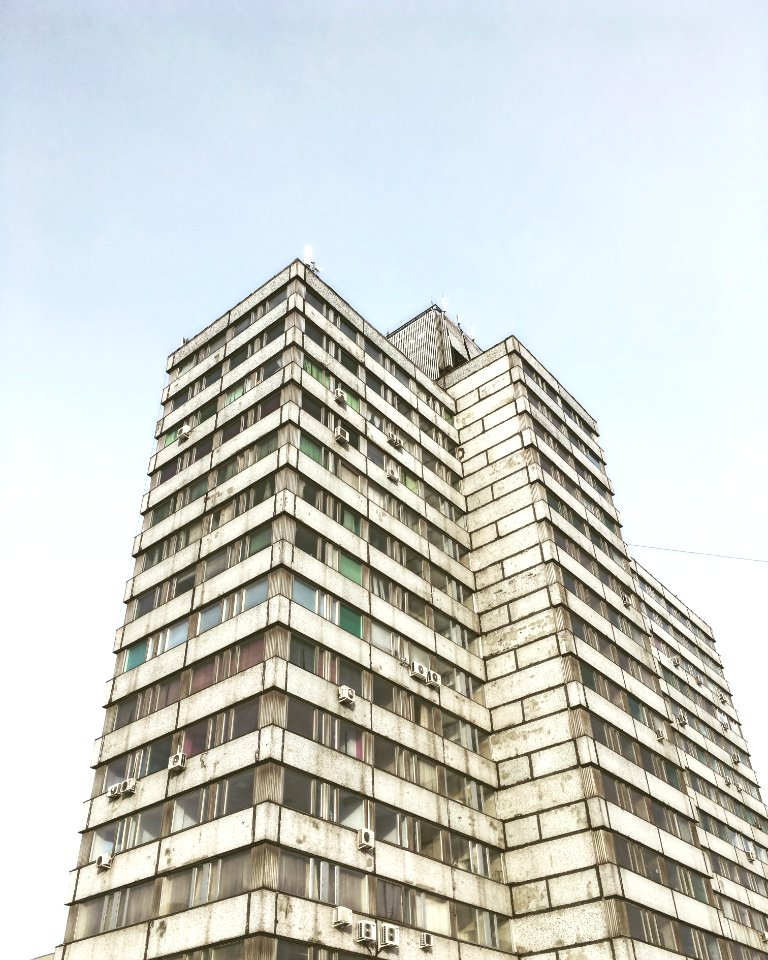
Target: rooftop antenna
[
  {"x": 444, "y": 303},
  {"x": 309, "y": 260}
]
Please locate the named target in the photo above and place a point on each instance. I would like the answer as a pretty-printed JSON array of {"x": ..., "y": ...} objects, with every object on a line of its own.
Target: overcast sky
[{"x": 589, "y": 176}]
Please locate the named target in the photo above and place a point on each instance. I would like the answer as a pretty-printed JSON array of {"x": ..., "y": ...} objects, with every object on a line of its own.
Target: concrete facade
[{"x": 389, "y": 680}]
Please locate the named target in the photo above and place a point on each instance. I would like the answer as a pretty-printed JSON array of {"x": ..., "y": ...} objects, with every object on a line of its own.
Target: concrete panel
[
  {"x": 208, "y": 924},
  {"x": 565, "y": 819},
  {"x": 574, "y": 887},
  {"x": 585, "y": 923},
  {"x": 551, "y": 857}
]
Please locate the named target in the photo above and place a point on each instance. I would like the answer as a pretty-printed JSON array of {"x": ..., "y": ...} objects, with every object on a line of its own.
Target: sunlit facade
[{"x": 389, "y": 680}]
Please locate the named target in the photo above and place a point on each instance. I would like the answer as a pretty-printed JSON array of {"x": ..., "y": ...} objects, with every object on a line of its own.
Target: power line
[{"x": 698, "y": 553}]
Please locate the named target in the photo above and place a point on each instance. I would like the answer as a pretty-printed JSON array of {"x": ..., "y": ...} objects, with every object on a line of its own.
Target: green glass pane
[
  {"x": 311, "y": 448},
  {"x": 137, "y": 653},
  {"x": 350, "y": 520},
  {"x": 234, "y": 394},
  {"x": 350, "y": 568},
  {"x": 351, "y": 621},
  {"x": 316, "y": 371},
  {"x": 353, "y": 401}
]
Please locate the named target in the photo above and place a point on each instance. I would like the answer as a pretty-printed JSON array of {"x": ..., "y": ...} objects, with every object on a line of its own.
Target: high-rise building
[{"x": 389, "y": 680}]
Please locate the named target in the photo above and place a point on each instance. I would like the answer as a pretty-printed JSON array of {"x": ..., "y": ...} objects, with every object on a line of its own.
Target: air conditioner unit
[
  {"x": 682, "y": 719},
  {"x": 425, "y": 941},
  {"x": 366, "y": 931},
  {"x": 728, "y": 782},
  {"x": 660, "y": 735},
  {"x": 735, "y": 759},
  {"x": 389, "y": 935},
  {"x": 418, "y": 670},
  {"x": 764, "y": 936},
  {"x": 103, "y": 862},
  {"x": 626, "y": 600},
  {"x": 751, "y": 856},
  {"x": 184, "y": 432},
  {"x": 366, "y": 839},
  {"x": 128, "y": 787},
  {"x": 699, "y": 680},
  {"x": 724, "y": 724},
  {"x": 392, "y": 475},
  {"x": 346, "y": 695},
  {"x": 675, "y": 661},
  {"x": 342, "y": 917},
  {"x": 394, "y": 440},
  {"x": 722, "y": 697},
  {"x": 339, "y": 396},
  {"x": 740, "y": 788},
  {"x": 433, "y": 678},
  {"x": 115, "y": 791},
  {"x": 177, "y": 762},
  {"x": 342, "y": 436}
]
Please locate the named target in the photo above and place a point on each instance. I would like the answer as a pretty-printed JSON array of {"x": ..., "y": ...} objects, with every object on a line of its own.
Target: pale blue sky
[{"x": 589, "y": 176}]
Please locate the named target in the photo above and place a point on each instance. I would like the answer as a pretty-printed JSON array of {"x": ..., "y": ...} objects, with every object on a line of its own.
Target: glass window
[
  {"x": 245, "y": 718},
  {"x": 251, "y": 653},
  {"x": 216, "y": 563},
  {"x": 312, "y": 406},
  {"x": 351, "y": 812},
  {"x": 316, "y": 371},
  {"x": 266, "y": 446},
  {"x": 269, "y": 404},
  {"x": 297, "y": 790},
  {"x": 392, "y": 902},
  {"x": 301, "y": 718},
  {"x": 314, "y": 333},
  {"x": 187, "y": 810},
  {"x": 304, "y": 654},
  {"x": 293, "y": 874},
  {"x": 348, "y": 361},
  {"x": 255, "y": 593},
  {"x": 311, "y": 447},
  {"x": 304, "y": 594},
  {"x": 351, "y": 620},
  {"x": 387, "y": 824},
  {"x": 196, "y": 738},
  {"x": 136, "y": 654},
  {"x": 350, "y": 567},
  {"x": 350, "y": 520},
  {"x": 239, "y": 792},
  {"x": 177, "y": 633},
  {"x": 210, "y": 616},
  {"x": 375, "y": 454},
  {"x": 348, "y": 330},
  {"x": 309, "y": 542},
  {"x": 352, "y": 890}
]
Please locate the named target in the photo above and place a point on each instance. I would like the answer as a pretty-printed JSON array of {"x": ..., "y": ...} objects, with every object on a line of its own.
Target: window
[
  {"x": 305, "y": 595},
  {"x": 316, "y": 371},
  {"x": 312, "y": 448}
]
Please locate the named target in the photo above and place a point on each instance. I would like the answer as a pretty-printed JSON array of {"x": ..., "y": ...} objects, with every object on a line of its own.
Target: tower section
[
  {"x": 295, "y": 762},
  {"x": 633, "y": 821}
]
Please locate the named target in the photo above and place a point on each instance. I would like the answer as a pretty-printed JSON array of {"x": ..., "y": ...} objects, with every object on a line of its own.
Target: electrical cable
[{"x": 698, "y": 553}]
